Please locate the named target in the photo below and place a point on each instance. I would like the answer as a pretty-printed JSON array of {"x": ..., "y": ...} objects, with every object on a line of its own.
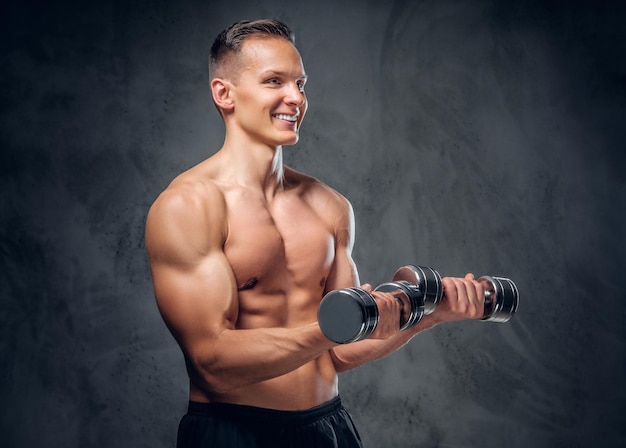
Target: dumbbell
[{"x": 350, "y": 314}]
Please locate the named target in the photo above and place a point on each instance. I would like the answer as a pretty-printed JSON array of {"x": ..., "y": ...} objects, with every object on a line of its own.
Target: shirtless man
[{"x": 242, "y": 249}]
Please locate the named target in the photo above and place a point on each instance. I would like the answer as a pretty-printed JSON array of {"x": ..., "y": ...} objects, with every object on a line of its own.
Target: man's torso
[{"x": 281, "y": 253}]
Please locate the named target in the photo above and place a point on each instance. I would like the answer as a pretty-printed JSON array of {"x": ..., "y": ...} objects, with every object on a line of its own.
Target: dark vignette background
[{"x": 479, "y": 135}]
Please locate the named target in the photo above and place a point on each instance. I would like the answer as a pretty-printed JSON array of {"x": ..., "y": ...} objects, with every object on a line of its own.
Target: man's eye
[{"x": 273, "y": 81}]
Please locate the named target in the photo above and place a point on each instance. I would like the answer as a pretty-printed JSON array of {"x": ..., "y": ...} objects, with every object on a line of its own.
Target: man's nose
[{"x": 295, "y": 95}]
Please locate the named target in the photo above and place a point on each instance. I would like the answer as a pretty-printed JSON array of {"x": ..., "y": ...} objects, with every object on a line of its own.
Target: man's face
[{"x": 269, "y": 99}]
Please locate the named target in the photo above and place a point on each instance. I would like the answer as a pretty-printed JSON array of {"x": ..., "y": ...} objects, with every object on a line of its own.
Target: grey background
[{"x": 477, "y": 136}]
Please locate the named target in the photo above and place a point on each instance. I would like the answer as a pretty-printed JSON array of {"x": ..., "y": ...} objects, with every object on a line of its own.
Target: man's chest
[{"x": 278, "y": 247}]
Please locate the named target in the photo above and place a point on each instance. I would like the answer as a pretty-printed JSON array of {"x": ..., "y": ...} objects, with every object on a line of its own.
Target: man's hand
[
  {"x": 389, "y": 311},
  {"x": 463, "y": 298}
]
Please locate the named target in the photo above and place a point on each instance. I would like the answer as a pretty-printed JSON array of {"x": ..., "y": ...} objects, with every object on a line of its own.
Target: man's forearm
[
  {"x": 238, "y": 358},
  {"x": 349, "y": 356}
]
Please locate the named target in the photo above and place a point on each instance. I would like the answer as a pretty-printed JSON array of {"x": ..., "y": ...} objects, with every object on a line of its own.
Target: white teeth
[{"x": 286, "y": 117}]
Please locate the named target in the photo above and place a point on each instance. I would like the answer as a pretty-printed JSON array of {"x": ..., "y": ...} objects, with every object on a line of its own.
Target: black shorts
[{"x": 227, "y": 425}]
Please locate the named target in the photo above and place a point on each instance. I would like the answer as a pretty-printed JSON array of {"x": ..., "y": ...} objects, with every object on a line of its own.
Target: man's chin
[{"x": 291, "y": 140}]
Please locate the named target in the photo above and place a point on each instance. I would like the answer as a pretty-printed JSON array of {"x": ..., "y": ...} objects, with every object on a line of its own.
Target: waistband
[{"x": 253, "y": 414}]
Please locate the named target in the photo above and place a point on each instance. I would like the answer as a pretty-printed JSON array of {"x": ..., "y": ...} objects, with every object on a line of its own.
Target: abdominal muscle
[{"x": 310, "y": 385}]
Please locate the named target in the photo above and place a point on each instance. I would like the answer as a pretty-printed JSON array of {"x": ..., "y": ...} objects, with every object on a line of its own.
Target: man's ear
[{"x": 220, "y": 89}]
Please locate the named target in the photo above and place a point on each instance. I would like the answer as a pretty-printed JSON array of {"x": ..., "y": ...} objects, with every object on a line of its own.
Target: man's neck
[{"x": 255, "y": 166}]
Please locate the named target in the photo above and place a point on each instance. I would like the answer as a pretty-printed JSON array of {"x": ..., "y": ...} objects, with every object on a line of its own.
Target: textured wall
[{"x": 481, "y": 135}]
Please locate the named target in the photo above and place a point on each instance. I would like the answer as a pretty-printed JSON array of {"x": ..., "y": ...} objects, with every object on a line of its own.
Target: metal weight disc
[
  {"x": 501, "y": 298},
  {"x": 428, "y": 282},
  {"x": 370, "y": 313},
  {"x": 346, "y": 315},
  {"x": 411, "y": 298}
]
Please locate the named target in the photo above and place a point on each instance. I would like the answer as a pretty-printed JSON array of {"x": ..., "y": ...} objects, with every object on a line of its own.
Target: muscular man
[{"x": 242, "y": 249}]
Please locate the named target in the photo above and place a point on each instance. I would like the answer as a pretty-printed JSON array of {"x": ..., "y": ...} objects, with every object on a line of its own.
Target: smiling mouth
[{"x": 292, "y": 118}]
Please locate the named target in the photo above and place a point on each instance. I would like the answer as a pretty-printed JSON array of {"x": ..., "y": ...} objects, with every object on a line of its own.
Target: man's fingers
[
  {"x": 464, "y": 297},
  {"x": 389, "y": 315},
  {"x": 473, "y": 301}
]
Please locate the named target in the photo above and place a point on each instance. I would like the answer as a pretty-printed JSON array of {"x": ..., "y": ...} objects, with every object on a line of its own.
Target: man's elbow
[
  {"x": 340, "y": 364},
  {"x": 213, "y": 379}
]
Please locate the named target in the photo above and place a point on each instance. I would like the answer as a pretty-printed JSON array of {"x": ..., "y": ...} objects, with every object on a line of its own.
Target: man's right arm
[{"x": 196, "y": 294}]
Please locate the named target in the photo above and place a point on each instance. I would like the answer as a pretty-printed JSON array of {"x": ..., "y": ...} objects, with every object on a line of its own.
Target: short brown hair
[{"x": 229, "y": 41}]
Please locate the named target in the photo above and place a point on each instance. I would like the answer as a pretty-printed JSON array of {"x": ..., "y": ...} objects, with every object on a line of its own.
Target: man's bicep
[{"x": 197, "y": 301}]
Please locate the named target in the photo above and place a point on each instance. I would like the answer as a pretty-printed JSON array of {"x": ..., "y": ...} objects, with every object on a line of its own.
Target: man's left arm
[{"x": 463, "y": 299}]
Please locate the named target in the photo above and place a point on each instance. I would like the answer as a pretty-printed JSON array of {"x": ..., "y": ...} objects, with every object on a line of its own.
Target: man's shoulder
[
  {"x": 197, "y": 184},
  {"x": 191, "y": 191},
  {"x": 187, "y": 214},
  {"x": 318, "y": 193},
  {"x": 190, "y": 197}
]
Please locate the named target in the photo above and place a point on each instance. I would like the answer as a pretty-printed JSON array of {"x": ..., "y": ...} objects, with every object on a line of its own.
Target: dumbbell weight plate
[
  {"x": 428, "y": 282},
  {"x": 347, "y": 315},
  {"x": 501, "y": 298}
]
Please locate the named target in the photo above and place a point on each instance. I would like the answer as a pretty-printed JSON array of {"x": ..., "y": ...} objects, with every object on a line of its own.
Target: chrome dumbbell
[{"x": 350, "y": 314}]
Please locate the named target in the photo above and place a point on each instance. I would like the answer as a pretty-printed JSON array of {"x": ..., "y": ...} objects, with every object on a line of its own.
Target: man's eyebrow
[{"x": 282, "y": 73}]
